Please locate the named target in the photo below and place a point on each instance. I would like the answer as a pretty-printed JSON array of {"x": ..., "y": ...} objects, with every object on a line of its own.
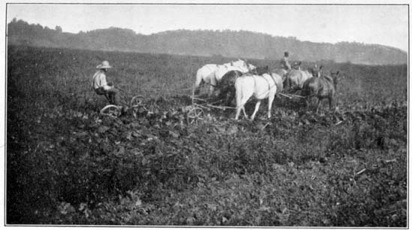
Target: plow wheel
[
  {"x": 111, "y": 111},
  {"x": 194, "y": 114}
]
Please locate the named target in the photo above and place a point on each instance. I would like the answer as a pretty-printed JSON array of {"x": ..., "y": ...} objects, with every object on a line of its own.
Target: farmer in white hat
[{"x": 101, "y": 87}]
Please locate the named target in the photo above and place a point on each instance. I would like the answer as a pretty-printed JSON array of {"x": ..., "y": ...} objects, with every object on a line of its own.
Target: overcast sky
[{"x": 371, "y": 24}]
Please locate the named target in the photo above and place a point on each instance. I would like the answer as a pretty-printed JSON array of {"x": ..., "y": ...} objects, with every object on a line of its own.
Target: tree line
[{"x": 227, "y": 43}]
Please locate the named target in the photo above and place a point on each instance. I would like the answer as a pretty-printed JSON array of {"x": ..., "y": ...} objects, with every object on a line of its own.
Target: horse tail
[
  {"x": 238, "y": 92},
  {"x": 239, "y": 95},
  {"x": 241, "y": 92}
]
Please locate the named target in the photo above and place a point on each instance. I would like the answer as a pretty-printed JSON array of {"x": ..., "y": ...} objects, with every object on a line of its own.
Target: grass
[{"x": 67, "y": 164}]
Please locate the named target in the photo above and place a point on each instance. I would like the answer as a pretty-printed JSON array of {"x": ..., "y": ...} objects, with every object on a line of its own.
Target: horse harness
[
  {"x": 273, "y": 79},
  {"x": 254, "y": 79}
]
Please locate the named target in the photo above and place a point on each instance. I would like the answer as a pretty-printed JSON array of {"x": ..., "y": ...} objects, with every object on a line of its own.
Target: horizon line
[{"x": 217, "y": 30}]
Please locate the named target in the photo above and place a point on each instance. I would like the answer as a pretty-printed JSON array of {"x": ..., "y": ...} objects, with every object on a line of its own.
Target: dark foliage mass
[
  {"x": 204, "y": 43},
  {"x": 157, "y": 164}
]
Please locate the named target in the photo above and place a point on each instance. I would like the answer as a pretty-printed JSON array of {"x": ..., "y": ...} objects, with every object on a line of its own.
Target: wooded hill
[{"x": 237, "y": 44}]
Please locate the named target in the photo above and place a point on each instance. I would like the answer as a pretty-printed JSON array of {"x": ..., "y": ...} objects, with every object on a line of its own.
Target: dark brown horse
[
  {"x": 321, "y": 87},
  {"x": 226, "y": 86}
]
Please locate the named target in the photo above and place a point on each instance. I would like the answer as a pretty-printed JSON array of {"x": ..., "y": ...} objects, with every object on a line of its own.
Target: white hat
[{"x": 104, "y": 65}]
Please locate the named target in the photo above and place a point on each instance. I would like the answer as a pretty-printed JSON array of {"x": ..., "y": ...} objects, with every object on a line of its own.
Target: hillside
[{"x": 204, "y": 43}]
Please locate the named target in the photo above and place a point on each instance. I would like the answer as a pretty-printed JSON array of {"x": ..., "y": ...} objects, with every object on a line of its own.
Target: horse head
[
  {"x": 315, "y": 71},
  {"x": 238, "y": 63},
  {"x": 250, "y": 66},
  {"x": 244, "y": 66},
  {"x": 226, "y": 65}
]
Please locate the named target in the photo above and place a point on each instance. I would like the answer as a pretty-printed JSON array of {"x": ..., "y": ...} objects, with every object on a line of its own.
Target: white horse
[
  {"x": 281, "y": 72},
  {"x": 211, "y": 74},
  {"x": 239, "y": 65},
  {"x": 205, "y": 74},
  {"x": 261, "y": 87},
  {"x": 296, "y": 78}
]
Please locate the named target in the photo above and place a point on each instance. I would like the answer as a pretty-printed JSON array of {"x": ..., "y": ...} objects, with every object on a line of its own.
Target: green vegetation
[{"x": 154, "y": 165}]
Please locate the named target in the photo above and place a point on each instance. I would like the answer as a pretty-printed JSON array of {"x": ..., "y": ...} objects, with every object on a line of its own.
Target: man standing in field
[
  {"x": 101, "y": 87},
  {"x": 284, "y": 62}
]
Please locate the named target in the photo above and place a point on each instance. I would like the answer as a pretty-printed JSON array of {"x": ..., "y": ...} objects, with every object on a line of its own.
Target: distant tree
[{"x": 59, "y": 29}]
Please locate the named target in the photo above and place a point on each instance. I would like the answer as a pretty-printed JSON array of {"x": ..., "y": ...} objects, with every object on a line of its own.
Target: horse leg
[
  {"x": 307, "y": 100},
  {"x": 196, "y": 87},
  {"x": 232, "y": 93},
  {"x": 317, "y": 105},
  {"x": 108, "y": 98},
  {"x": 196, "y": 90},
  {"x": 244, "y": 112},
  {"x": 310, "y": 101},
  {"x": 242, "y": 107},
  {"x": 286, "y": 84},
  {"x": 226, "y": 95},
  {"x": 238, "y": 109},
  {"x": 256, "y": 109},
  {"x": 241, "y": 100},
  {"x": 212, "y": 83},
  {"x": 212, "y": 91},
  {"x": 238, "y": 102},
  {"x": 238, "y": 112},
  {"x": 228, "y": 99},
  {"x": 270, "y": 102},
  {"x": 330, "y": 102},
  {"x": 244, "y": 101}
]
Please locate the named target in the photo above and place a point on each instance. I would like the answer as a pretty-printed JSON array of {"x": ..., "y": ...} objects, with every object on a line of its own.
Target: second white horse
[{"x": 260, "y": 87}]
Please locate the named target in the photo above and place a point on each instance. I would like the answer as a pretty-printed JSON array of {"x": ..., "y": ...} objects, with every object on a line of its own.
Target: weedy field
[{"x": 156, "y": 164}]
